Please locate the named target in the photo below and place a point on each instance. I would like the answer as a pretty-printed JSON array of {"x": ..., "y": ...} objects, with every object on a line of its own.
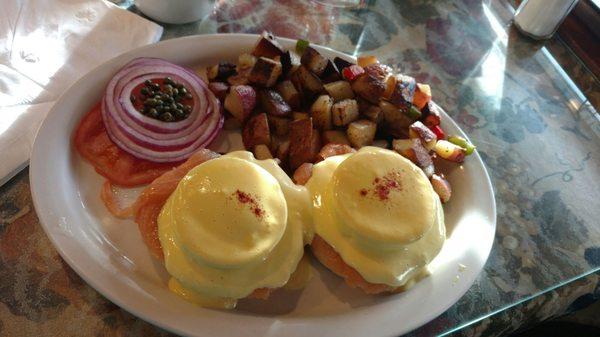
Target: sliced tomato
[{"x": 118, "y": 166}]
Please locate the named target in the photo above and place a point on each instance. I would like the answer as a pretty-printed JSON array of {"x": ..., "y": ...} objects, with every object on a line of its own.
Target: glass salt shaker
[{"x": 539, "y": 19}]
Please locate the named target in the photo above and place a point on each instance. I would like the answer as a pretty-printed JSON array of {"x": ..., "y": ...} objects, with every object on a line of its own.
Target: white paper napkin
[{"x": 45, "y": 46}]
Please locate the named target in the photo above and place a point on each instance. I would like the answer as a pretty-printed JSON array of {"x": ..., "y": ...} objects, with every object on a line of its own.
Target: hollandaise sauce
[
  {"x": 234, "y": 224},
  {"x": 379, "y": 212}
]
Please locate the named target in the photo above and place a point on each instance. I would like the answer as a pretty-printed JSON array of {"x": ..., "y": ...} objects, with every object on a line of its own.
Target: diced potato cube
[
  {"x": 361, "y": 133},
  {"x": 344, "y": 112}
]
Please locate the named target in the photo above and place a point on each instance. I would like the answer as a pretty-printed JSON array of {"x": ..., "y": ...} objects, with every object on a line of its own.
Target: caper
[
  {"x": 187, "y": 108},
  {"x": 179, "y": 106},
  {"x": 169, "y": 80},
  {"x": 166, "y": 108},
  {"x": 175, "y": 92},
  {"x": 179, "y": 85},
  {"x": 150, "y": 101},
  {"x": 153, "y": 113},
  {"x": 168, "y": 87},
  {"x": 156, "y": 86},
  {"x": 144, "y": 91},
  {"x": 188, "y": 96},
  {"x": 183, "y": 91},
  {"x": 179, "y": 113},
  {"x": 173, "y": 106},
  {"x": 167, "y": 117},
  {"x": 148, "y": 83}
]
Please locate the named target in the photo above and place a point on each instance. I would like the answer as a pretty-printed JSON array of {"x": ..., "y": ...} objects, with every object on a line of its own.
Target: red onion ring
[{"x": 151, "y": 139}]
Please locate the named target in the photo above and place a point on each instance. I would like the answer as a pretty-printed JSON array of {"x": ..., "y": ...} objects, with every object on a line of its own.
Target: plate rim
[{"x": 135, "y": 308}]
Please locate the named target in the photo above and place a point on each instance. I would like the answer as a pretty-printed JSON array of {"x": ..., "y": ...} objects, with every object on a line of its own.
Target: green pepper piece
[
  {"x": 301, "y": 46},
  {"x": 460, "y": 141},
  {"x": 413, "y": 113}
]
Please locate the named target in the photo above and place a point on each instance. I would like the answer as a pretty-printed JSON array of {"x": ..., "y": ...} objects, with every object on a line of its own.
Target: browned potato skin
[
  {"x": 279, "y": 125},
  {"x": 256, "y": 131},
  {"x": 283, "y": 151},
  {"x": 335, "y": 137},
  {"x": 320, "y": 112},
  {"x": 396, "y": 122},
  {"x": 272, "y": 102},
  {"x": 267, "y": 46},
  {"x": 432, "y": 116},
  {"x": 419, "y": 130},
  {"x": 313, "y": 61},
  {"x": 419, "y": 155},
  {"x": 371, "y": 84},
  {"x": 302, "y": 174},
  {"x": 441, "y": 186},
  {"x": 330, "y": 74},
  {"x": 339, "y": 90},
  {"x": 290, "y": 94},
  {"x": 374, "y": 114},
  {"x": 305, "y": 143},
  {"x": 300, "y": 115},
  {"x": 262, "y": 152},
  {"x": 265, "y": 72},
  {"x": 307, "y": 82},
  {"x": 330, "y": 150}
]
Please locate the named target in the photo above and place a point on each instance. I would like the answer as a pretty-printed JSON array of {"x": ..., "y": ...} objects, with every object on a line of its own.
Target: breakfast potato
[
  {"x": 422, "y": 95},
  {"x": 240, "y": 101},
  {"x": 340, "y": 63},
  {"x": 432, "y": 115},
  {"x": 256, "y": 131},
  {"x": 382, "y": 143},
  {"x": 265, "y": 72},
  {"x": 267, "y": 46},
  {"x": 221, "y": 71},
  {"x": 262, "y": 152},
  {"x": 403, "y": 91},
  {"x": 302, "y": 174},
  {"x": 232, "y": 123},
  {"x": 246, "y": 61},
  {"x": 283, "y": 151},
  {"x": 414, "y": 150},
  {"x": 219, "y": 89},
  {"x": 241, "y": 78},
  {"x": 307, "y": 82},
  {"x": 344, "y": 112},
  {"x": 335, "y": 137},
  {"x": 371, "y": 84},
  {"x": 313, "y": 60},
  {"x": 339, "y": 90},
  {"x": 272, "y": 102},
  {"x": 290, "y": 61},
  {"x": 374, "y": 113},
  {"x": 300, "y": 115},
  {"x": 452, "y": 152},
  {"x": 304, "y": 143},
  {"x": 320, "y": 112},
  {"x": 420, "y": 131},
  {"x": 279, "y": 125},
  {"x": 361, "y": 133},
  {"x": 396, "y": 122},
  {"x": 330, "y": 150},
  {"x": 441, "y": 186},
  {"x": 290, "y": 94},
  {"x": 330, "y": 74}
]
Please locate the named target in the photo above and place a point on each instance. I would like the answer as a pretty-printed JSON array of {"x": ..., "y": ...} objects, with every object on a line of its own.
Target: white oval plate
[{"x": 109, "y": 254}]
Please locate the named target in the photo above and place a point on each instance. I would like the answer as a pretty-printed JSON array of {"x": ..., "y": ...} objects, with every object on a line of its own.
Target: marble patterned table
[{"x": 531, "y": 107}]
